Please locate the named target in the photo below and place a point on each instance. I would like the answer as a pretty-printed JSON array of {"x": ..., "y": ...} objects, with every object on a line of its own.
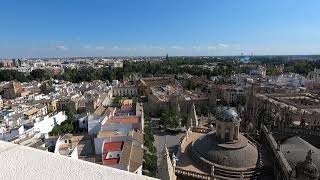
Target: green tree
[
  {"x": 9, "y": 75},
  {"x": 56, "y": 131},
  {"x": 65, "y": 127},
  {"x": 41, "y": 74},
  {"x": 70, "y": 112},
  {"x": 149, "y": 157},
  {"x": 150, "y": 165},
  {"x": 46, "y": 87},
  {"x": 148, "y": 136},
  {"x": 272, "y": 71},
  {"x": 169, "y": 119}
]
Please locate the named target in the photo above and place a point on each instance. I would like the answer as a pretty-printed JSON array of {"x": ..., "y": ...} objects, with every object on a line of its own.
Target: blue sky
[{"x": 59, "y": 28}]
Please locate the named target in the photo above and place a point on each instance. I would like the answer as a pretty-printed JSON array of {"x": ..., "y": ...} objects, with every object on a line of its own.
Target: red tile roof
[
  {"x": 123, "y": 120},
  {"x": 110, "y": 147}
]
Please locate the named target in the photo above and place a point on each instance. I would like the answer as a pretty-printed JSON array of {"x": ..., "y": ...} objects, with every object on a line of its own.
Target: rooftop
[
  {"x": 37, "y": 165},
  {"x": 67, "y": 148},
  {"x": 123, "y": 120},
  {"x": 103, "y": 111},
  {"x": 132, "y": 156},
  {"x": 299, "y": 102},
  {"x": 228, "y": 115},
  {"x": 240, "y": 155},
  {"x": 295, "y": 150},
  {"x": 112, "y": 152}
]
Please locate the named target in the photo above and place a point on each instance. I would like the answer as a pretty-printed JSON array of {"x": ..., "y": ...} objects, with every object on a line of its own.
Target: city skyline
[{"x": 145, "y": 28}]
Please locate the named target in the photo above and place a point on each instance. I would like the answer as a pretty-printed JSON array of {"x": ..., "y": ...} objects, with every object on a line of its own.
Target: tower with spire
[
  {"x": 178, "y": 113},
  {"x": 193, "y": 118}
]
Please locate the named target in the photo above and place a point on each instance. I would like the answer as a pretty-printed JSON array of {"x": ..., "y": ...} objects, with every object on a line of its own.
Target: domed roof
[
  {"x": 243, "y": 156},
  {"x": 228, "y": 115}
]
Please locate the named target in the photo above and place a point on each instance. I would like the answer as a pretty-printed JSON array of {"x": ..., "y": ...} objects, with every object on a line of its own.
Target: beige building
[
  {"x": 161, "y": 92},
  {"x": 52, "y": 105},
  {"x": 8, "y": 63},
  {"x": 230, "y": 94},
  {"x": 124, "y": 90},
  {"x": 300, "y": 109},
  {"x": 13, "y": 90},
  {"x": 31, "y": 114}
]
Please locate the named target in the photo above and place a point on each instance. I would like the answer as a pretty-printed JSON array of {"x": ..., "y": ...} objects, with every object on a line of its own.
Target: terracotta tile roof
[
  {"x": 101, "y": 98},
  {"x": 137, "y": 135},
  {"x": 123, "y": 120},
  {"x": 111, "y": 147},
  {"x": 99, "y": 111},
  {"x": 102, "y": 111},
  {"x": 132, "y": 156},
  {"x": 110, "y": 133}
]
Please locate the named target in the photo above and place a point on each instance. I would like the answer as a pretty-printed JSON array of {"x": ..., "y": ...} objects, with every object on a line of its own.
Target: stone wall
[{"x": 282, "y": 169}]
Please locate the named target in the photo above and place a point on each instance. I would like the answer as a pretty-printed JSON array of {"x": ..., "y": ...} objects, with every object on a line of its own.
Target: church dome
[
  {"x": 228, "y": 115},
  {"x": 239, "y": 155}
]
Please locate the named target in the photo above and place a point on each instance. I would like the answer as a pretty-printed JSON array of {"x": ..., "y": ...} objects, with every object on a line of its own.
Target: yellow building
[
  {"x": 52, "y": 105},
  {"x": 30, "y": 114}
]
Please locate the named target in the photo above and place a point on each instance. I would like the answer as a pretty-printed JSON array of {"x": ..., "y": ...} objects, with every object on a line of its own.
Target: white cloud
[
  {"x": 223, "y": 45},
  {"x": 61, "y": 48}
]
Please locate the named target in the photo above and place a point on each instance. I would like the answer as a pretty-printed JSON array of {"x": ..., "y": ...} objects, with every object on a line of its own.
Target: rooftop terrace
[{"x": 37, "y": 165}]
